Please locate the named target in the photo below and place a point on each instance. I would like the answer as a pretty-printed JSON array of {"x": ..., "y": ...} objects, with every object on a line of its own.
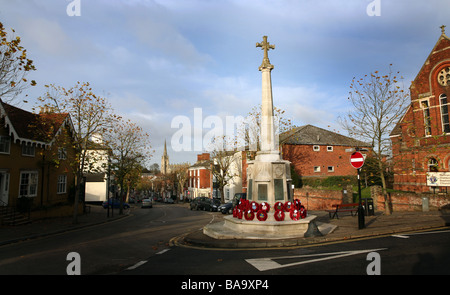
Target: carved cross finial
[
  {"x": 266, "y": 47},
  {"x": 443, "y": 29}
]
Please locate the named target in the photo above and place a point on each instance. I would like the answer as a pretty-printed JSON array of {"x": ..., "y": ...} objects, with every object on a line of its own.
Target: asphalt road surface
[{"x": 139, "y": 245}]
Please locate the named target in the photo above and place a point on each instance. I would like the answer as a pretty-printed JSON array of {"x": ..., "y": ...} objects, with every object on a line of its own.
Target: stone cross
[{"x": 266, "y": 47}]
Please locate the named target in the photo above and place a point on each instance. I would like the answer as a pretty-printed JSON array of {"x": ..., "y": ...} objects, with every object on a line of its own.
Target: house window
[
  {"x": 62, "y": 184},
  {"x": 28, "y": 184},
  {"x": 316, "y": 148},
  {"x": 330, "y": 168},
  {"x": 28, "y": 150},
  {"x": 433, "y": 165},
  {"x": 329, "y": 148},
  {"x": 5, "y": 143},
  {"x": 426, "y": 117},
  {"x": 62, "y": 153},
  {"x": 316, "y": 168},
  {"x": 444, "y": 113}
]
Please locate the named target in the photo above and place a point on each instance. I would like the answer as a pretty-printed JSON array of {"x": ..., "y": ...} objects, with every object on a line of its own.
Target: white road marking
[
  {"x": 400, "y": 236},
  {"x": 163, "y": 251},
  {"x": 263, "y": 264},
  {"x": 136, "y": 265},
  {"x": 421, "y": 233}
]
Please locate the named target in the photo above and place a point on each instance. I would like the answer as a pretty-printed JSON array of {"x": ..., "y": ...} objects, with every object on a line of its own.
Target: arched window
[
  {"x": 433, "y": 165},
  {"x": 444, "y": 113},
  {"x": 426, "y": 117}
]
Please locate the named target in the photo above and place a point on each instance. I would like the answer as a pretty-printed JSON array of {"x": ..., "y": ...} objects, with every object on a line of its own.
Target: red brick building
[
  {"x": 316, "y": 152},
  {"x": 421, "y": 139},
  {"x": 200, "y": 177}
]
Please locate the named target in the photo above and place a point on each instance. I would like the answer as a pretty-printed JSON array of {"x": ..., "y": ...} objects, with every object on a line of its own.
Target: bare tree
[
  {"x": 249, "y": 131},
  {"x": 130, "y": 149},
  {"x": 181, "y": 175},
  {"x": 222, "y": 162},
  {"x": 379, "y": 102},
  {"x": 91, "y": 115},
  {"x": 14, "y": 66}
]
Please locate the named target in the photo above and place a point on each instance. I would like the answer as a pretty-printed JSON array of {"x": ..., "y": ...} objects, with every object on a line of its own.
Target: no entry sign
[{"x": 357, "y": 160}]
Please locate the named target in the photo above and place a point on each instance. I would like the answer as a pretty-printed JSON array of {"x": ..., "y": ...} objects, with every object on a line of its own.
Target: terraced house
[{"x": 36, "y": 154}]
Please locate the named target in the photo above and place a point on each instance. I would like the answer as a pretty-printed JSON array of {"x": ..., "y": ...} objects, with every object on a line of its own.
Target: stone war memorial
[{"x": 269, "y": 211}]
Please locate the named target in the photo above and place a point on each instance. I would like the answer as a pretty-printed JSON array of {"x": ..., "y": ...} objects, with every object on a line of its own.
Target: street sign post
[{"x": 357, "y": 161}]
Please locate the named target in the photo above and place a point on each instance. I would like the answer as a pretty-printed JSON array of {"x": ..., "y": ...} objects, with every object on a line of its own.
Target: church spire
[
  {"x": 165, "y": 168},
  {"x": 165, "y": 148}
]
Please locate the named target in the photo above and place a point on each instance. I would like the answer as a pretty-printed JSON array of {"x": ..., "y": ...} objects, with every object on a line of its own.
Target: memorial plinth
[{"x": 268, "y": 179}]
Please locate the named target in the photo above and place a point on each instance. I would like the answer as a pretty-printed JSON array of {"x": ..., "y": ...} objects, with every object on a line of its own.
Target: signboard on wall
[{"x": 438, "y": 178}]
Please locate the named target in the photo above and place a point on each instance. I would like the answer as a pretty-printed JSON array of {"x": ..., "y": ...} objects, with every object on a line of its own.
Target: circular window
[{"x": 444, "y": 76}]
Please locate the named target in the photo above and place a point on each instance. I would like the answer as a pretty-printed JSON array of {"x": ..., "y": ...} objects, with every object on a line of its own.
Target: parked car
[
  {"x": 115, "y": 204},
  {"x": 226, "y": 208},
  {"x": 195, "y": 203},
  {"x": 147, "y": 203},
  {"x": 204, "y": 203},
  {"x": 214, "y": 204}
]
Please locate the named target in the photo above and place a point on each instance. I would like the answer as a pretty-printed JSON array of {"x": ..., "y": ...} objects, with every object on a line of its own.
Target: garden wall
[
  {"x": 408, "y": 201},
  {"x": 321, "y": 199}
]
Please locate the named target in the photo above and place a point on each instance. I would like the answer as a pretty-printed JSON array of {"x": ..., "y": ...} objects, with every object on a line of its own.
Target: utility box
[
  {"x": 369, "y": 209},
  {"x": 425, "y": 204}
]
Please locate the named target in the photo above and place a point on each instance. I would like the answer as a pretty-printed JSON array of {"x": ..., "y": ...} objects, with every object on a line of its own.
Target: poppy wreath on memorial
[
  {"x": 254, "y": 206},
  {"x": 279, "y": 215},
  {"x": 297, "y": 204},
  {"x": 295, "y": 214},
  {"x": 261, "y": 215},
  {"x": 235, "y": 211},
  {"x": 278, "y": 206},
  {"x": 265, "y": 207},
  {"x": 244, "y": 205},
  {"x": 288, "y": 206},
  {"x": 302, "y": 211},
  {"x": 249, "y": 215},
  {"x": 239, "y": 213}
]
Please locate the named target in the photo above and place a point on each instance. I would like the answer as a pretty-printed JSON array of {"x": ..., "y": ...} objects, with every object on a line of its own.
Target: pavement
[{"x": 325, "y": 230}]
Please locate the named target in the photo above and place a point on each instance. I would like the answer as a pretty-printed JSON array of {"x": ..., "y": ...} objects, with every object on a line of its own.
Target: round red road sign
[{"x": 357, "y": 160}]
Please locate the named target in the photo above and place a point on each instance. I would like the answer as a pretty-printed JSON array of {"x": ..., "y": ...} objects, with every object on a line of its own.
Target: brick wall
[
  {"x": 405, "y": 201},
  {"x": 319, "y": 199}
]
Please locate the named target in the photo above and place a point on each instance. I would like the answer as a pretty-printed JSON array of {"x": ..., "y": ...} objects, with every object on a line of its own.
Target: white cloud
[
  {"x": 48, "y": 36},
  {"x": 163, "y": 58}
]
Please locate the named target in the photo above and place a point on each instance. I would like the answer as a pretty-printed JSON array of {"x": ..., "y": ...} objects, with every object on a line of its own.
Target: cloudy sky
[{"x": 157, "y": 60}]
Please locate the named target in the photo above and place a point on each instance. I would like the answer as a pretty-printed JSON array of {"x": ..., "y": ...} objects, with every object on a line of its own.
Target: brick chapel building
[{"x": 421, "y": 139}]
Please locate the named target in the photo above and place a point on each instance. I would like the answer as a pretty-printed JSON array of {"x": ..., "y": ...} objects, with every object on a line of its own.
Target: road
[
  {"x": 139, "y": 245},
  {"x": 415, "y": 253},
  {"x": 106, "y": 248}
]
